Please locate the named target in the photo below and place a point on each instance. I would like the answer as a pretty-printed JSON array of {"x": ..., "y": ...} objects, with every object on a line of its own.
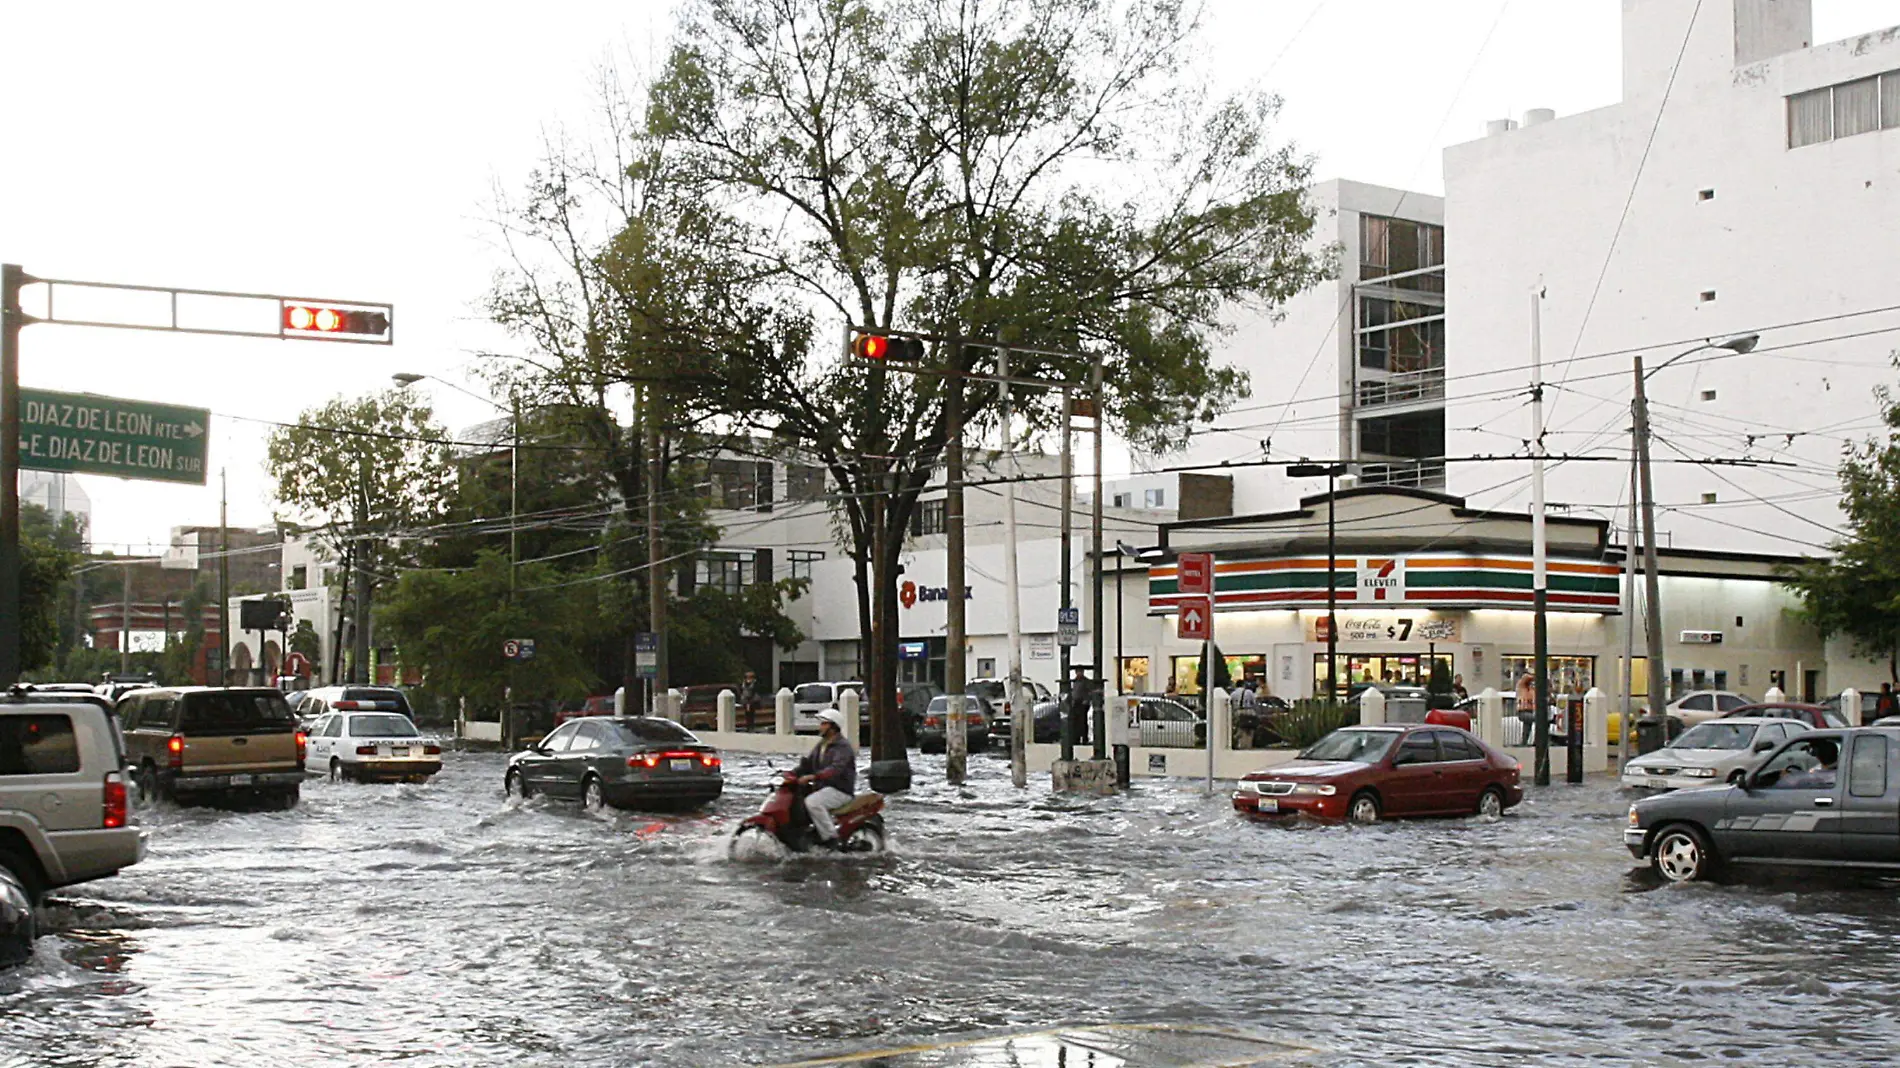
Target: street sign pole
[{"x": 12, "y": 278}]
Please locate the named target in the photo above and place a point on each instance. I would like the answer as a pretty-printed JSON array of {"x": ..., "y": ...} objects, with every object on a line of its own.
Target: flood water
[{"x": 443, "y": 924}]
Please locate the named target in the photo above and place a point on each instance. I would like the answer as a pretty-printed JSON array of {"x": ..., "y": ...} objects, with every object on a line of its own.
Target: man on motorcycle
[{"x": 831, "y": 768}]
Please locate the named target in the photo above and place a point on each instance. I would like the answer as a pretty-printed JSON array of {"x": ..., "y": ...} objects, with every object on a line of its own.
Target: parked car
[
  {"x": 1364, "y": 774},
  {"x": 1828, "y": 799},
  {"x": 64, "y": 813},
  {"x": 1817, "y": 716},
  {"x": 1721, "y": 750},
  {"x": 1869, "y": 707},
  {"x": 618, "y": 761},
  {"x": 371, "y": 746},
  {"x": 1698, "y": 705},
  {"x": 699, "y": 708},
  {"x": 812, "y": 698},
  {"x": 597, "y": 705},
  {"x": 1043, "y": 708},
  {"x": 1163, "y": 721},
  {"x": 353, "y": 699},
  {"x": 240, "y": 743},
  {"x": 932, "y": 732}
]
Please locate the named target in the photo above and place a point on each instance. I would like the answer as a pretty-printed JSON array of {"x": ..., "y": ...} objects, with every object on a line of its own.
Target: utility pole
[
  {"x": 1068, "y": 564},
  {"x": 1626, "y": 736},
  {"x": 1652, "y": 609},
  {"x": 125, "y": 619},
  {"x": 1098, "y": 694},
  {"x": 12, "y": 278},
  {"x": 956, "y": 745},
  {"x": 656, "y": 580},
  {"x": 224, "y": 579},
  {"x": 359, "y": 671},
  {"x": 1020, "y": 716},
  {"x": 1539, "y": 588}
]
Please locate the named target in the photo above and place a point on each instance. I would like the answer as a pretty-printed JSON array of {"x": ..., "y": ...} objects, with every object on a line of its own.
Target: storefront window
[
  {"x": 1187, "y": 671},
  {"x": 1570, "y": 676},
  {"x": 1134, "y": 674},
  {"x": 1394, "y": 669}
]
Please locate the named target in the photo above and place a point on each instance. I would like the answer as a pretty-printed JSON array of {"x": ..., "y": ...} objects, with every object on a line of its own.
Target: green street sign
[{"x": 94, "y": 435}]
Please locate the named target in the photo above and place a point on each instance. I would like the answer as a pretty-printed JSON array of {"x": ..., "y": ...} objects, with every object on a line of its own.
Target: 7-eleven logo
[{"x": 1382, "y": 577}]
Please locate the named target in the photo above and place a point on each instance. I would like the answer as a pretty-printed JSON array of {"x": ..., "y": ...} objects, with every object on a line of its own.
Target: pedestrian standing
[
  {"x": 1458, "y": 687},
  {"x": 1527, "y": 706},
  {"x": 1887, "y": 704}
]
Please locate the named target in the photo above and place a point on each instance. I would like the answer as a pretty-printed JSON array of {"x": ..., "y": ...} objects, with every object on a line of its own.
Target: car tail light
[
  {"x": 365, "y": 750},
  {"x": 432, "y": 750},
  {"x": 175, "y": 751},
  {"x": 933, "y": 721},
  {"x": 115, "y": 801},
  {"x": 303, "y": 746},
  {"x": 644, "y": 760},
  {"x": 710, "y": 760}
]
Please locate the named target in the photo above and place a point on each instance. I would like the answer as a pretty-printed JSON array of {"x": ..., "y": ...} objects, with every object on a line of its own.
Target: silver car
[
  {"x": 1719, "y": 751},
  {"x": 65, "y": 815}
]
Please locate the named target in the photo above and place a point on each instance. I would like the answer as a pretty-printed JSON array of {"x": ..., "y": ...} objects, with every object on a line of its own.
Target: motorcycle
[{"x": 782, "y": 819}]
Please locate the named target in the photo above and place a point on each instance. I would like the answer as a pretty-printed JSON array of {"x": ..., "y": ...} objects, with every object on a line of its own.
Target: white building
[
  {"x": 1353, "y": 368},
  {"x": 1750, "y": 189},
  {"x": 61, "y": 495}
]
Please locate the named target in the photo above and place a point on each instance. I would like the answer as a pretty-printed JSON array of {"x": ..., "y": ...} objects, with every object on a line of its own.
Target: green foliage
[
  {"x": 703, "y": 640},
  {"x": 1856, "y": 593},
  {"x": 1309, "y": 720},
  {"x": 453, "y": 624},
  {"x": 47, "y": 559},
  {"x": 305, "y": 640},
  {"x": 375, "y": 461}
]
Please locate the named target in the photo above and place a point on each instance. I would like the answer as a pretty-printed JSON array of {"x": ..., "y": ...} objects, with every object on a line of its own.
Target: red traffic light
[
  {"x": 885, "y": 347},
  {"x": 305, "y": 320}
]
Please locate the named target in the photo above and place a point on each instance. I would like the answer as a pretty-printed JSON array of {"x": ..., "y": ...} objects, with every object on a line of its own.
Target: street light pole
[
  {"x": 1332, "y": 472},
  {"x": 1540, "y": 604}
]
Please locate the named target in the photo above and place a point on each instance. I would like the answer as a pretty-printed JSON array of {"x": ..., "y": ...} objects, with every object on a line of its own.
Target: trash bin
[{"x": 1651, "y": 734}]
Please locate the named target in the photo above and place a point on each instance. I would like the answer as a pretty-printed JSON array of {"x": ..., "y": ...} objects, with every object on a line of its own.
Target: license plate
[
  {"x": 682, "y": 765},
  {"x": 402, "y": 752},
  {"x": 1268, "y": 804},
  {"x": 240, "y": 780}
]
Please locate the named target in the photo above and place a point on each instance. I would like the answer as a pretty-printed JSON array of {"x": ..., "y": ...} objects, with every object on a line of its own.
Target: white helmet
[{"x": 833, "y": 717}]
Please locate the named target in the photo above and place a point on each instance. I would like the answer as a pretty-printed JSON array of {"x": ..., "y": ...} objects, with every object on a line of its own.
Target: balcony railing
[
  {"x": 1428, "y": 384},
  {"x": 1417, "y": 474}
]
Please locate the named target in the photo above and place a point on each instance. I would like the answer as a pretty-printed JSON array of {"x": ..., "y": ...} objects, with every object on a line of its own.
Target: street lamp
[
  {"x": 1331, "y": 473},
  {"x": 1742, "y": 343}
]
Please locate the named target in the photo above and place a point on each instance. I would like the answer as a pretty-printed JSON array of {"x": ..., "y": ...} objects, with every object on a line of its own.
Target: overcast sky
[{"x": 353, "y": 150}]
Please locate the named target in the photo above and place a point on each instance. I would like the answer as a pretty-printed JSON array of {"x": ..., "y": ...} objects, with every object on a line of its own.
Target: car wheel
[
  {"x": 1491, "y": 803},
  {"x": 25, "y": 871},
  {"x": 592, "y": 797},
  {"x": 514, "y": 785},
  {"x": 1364, "y": 808},
  {"x": 288, "y": 798},
  {"x": 1682, "y": 855},
  {"x": 336, "y": 770},
  {"x": 150, "y": 788},
  {"x": 18, "y": 924}
]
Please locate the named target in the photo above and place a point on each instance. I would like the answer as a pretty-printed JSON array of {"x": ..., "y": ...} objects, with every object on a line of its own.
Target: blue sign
[
  {"x": 646, "y": 655},
  {"x": 913, "y": 650},
  {"x": 1071, "y": 616}
]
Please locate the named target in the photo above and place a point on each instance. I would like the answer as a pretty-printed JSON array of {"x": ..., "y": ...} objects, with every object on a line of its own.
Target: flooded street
[{"x": 445, "y": 925}]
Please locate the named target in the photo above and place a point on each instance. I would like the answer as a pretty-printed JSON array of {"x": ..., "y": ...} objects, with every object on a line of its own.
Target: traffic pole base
[{"x": 1083, "y": 777}]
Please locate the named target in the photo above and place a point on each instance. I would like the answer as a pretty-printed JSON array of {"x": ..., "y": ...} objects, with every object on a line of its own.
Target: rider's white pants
[{"x": 819, "y": 803}]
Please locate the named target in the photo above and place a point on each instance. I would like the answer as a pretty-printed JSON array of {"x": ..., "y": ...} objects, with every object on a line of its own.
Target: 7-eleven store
[{"x": 1419, "y": 577}]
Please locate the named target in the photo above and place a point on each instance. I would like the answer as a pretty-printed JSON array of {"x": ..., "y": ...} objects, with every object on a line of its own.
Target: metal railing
[
  {"x": 1417, "y": 474},
  {"x": 1426, "y": 384}
]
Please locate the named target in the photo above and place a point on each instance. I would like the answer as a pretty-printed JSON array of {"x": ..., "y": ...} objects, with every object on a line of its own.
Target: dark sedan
[
  {"x": 932, "y": 730},
  {"x": 1824, "y": 799},
  {"x": 1365, "y": 773},
  {"x": 622, "y": 761}
]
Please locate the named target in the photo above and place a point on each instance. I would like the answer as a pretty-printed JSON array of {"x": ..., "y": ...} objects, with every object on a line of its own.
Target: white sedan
[
  {"x": 372, "y": 745},
  {"x": 1719, "y": 751}
]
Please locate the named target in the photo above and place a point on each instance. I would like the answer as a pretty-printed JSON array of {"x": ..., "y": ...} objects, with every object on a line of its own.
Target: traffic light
[
  {"x": 324, "y": 320},
  {"x": 886, "y": 347}
]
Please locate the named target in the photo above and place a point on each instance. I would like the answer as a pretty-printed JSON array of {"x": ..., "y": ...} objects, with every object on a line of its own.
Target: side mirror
[{"x": 1763, "y": 747}]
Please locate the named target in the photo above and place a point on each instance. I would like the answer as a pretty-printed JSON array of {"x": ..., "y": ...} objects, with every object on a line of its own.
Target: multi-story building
[
  {"x": 1353, "y": 368},
  {"x": 1744, "y": 185}
]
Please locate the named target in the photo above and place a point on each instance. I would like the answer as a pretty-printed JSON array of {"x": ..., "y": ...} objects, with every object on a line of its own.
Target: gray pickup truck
[{"x": 1825, "y": 799}]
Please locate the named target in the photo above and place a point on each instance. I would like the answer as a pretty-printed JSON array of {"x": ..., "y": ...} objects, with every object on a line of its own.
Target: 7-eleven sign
[{"x": 1382, "y": 579}]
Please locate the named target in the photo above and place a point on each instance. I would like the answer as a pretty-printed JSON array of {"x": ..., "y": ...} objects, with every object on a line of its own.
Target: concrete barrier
[
  {"x": 476, "y": 730},
  {"x": 1371, "y": 707},
  {"x": 726, "y": 718},
  {"x": 1491, "y": 716},
  {"x": 782, "y": 713}
]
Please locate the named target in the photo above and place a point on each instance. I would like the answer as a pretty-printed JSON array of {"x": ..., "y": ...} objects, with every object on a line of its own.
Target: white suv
[
  {"x": 64, "y": 814},
  {"x": 814, "y": 697}
]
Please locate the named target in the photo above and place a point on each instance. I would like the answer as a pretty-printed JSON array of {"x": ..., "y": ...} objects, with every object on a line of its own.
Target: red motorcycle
[{"x": 782, "y": 825}]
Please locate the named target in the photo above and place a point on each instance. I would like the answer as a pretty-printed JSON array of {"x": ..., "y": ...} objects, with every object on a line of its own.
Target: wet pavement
[{"x": 445, "y": 925}]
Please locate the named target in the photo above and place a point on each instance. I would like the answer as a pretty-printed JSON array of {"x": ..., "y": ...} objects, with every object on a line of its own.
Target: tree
[
  {"x": 1856, "y": 593},
  {"x": 1031, "y": 171},
  {"x": 48, "y": 554},
  {"x": 363, "y": 470}
]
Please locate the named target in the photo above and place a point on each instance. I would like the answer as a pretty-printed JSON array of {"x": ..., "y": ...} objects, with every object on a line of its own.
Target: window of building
[
  {"x": 1134, "y": 678},
  {"x": 1836, "y": 111},
  {"x": 1708, "y": 394},
  {"x": 1570, "y": 676},
  {"x": 299, "y": 577},
  {"x": 740, "y": 484},
  {"x": 1417, "y": 346},
  {"x": 1395, "y": 246},
  {"x": 1707, "y": 295},
  {"x": 1122, "y": 500},
  {"x": 1397, "y": 669},
  {"x": 801, "y": 561},
  {"x": 1708, "y": 498},
  {"x": 1706, "y": 194},
  {"x": 930, "y": 517},
  {"x": 723, "y": 571},
  {"x": 804, "y": 482},
  {"x": 1155, "y": 498}
]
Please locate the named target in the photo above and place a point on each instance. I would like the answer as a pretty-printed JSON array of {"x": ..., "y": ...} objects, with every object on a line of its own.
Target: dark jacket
[{"x": 835, "y": 765}]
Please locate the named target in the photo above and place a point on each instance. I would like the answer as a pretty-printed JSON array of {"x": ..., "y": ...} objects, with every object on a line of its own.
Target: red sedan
[{"x": 1364, "y": 773}]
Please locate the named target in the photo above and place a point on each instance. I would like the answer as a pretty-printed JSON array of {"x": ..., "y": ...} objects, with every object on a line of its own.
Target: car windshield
[
  {"x": 814, "y": 691},
  {"x": 1716, "y": 736},
  {"x": 1364, "y": 747},
  {"x": 989, "y": 689},
  {"x": 639, "y": 732},
  {"x": 382, "y": 726}
]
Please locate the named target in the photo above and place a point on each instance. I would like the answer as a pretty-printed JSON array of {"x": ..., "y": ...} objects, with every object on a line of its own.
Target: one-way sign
[
  {"x": 97, "y": 435},
  {"x": 1197, "y": 619}
]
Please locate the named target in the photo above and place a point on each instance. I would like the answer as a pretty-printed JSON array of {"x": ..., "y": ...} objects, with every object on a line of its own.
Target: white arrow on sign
[
  {"x": 1191, "y": 619},
  {"x": 193, "y": 430}
]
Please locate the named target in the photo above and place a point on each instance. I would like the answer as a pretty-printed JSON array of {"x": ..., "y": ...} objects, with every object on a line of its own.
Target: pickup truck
[
  {"x": 1824, "y": 799},
  {"x": 225, "y": 744}
]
